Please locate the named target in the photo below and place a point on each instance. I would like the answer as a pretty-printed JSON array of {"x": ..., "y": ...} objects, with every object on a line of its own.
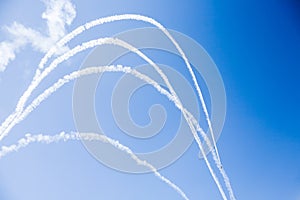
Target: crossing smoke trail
[
  {"x": 9, "y": 122},
  {"x": 89, "y": 25},
  {"x": 29, "y": 139},
  {"x": 71, "y": 53},
  {"x": 114, "y": 18},
  {"x": 119, "y": 68},
  {"x": 4, "y": 128},
  {"x": 165, "y": 31},
  {"x": 113, "y": 41},
  {"x": 91, "y": 44}
]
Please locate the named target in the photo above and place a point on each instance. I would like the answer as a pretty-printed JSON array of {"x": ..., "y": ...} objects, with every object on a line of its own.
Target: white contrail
[
  {"x": 114, "y": 18},
  {"x": 82, "y": 47},
  {"x": 91, "y": 70},
  {"x": 215, "y": 158},
  {"x": 181, "y": 52},
  {"x": 29, "y": 139},
  {"x": 80, "y": 29},
  {"x": 3, "y": 129},
  {"x": 109, "y": 19},
  {"x": 76, "y": 50}
]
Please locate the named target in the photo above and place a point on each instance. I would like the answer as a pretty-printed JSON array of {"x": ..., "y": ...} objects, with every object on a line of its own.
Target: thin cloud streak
[{"x": 58, "y": 15}]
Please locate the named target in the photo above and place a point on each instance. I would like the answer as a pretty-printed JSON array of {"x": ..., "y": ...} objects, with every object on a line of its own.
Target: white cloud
[{"x": 58, "y": 14}]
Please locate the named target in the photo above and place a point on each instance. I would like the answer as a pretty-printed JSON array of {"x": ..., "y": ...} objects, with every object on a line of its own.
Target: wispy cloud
[{"x": 58, "y": 15}]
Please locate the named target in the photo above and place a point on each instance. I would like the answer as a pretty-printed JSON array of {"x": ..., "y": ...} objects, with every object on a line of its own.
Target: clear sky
[{"x": 256, "y": 46}]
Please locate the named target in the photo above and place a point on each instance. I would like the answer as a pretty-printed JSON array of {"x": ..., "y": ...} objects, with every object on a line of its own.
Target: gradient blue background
[{"x": 256, "y": 46}]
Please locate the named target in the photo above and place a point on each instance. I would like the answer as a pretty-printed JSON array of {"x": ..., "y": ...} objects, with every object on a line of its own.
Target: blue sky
[{"x": 256, "y": 46}]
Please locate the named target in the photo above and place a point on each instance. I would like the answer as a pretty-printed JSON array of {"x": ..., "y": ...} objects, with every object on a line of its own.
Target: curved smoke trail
[
  {"x": 92, "y": 70},
  {"x": 29, "y": 139},
  {"x": 114, "y": 18},
  {"x": 91, "y": 44},
  {"x": 9, "y": 122}
]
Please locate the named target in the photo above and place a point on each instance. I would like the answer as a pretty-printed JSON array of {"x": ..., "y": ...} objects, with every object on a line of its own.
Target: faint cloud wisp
[{"x": 58, "y": 14}]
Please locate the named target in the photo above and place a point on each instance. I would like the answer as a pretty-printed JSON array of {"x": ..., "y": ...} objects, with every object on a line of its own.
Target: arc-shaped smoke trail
[
  {"x": 10, "y": 120},
  {"x": 119, "y": 68},
  {"x": 181, "y": 52},
  {"x": 89, "y": 25},
  {"x": 114, "y": 18},
  {"x": 4, "y": 130},
  {"x": 29, "y": 139},
  {"x": 91, "y": 44}
]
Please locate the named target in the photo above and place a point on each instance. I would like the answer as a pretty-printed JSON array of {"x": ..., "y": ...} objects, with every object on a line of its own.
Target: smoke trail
[
  {"x": 110, "y": 19},
  {"x": 181, "y": 52},
  {"x": 3, "y": 129},
  {"x": 29, "y": 139},
  {"x": 114, "y": 18},
  {"x": 83, "y": 47},
  {"x": 119, "y": 68},
  {"x": 80, "y": 29},
  {"x": 217, "y": 161}
]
